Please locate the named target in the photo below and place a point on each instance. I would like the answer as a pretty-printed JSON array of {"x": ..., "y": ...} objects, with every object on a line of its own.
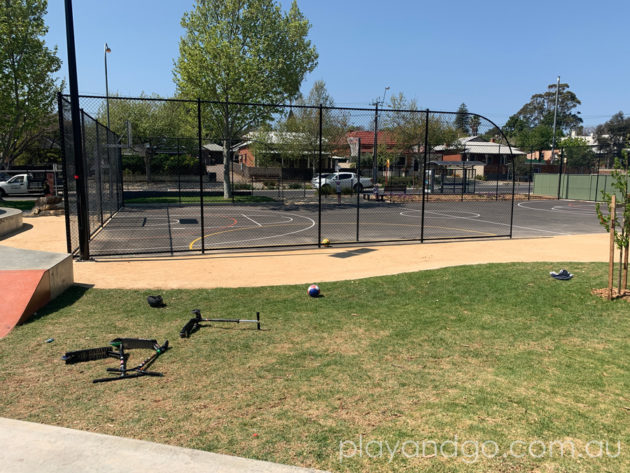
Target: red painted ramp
[{"x": 22, "y": 293}]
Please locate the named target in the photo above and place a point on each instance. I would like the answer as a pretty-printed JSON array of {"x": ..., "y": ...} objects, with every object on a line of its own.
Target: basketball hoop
[{"x": 354, "y": 143}]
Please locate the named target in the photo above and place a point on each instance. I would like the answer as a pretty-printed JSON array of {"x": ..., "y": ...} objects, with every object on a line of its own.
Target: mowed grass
[
  {"x": 492, "y": 353},
  {"x": 24, "y": 205}
]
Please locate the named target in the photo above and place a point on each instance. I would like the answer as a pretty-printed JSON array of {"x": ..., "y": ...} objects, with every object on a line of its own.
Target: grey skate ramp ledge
[
  {"x": 28, "y": 447},
  {"x": 10, "y": 220}
]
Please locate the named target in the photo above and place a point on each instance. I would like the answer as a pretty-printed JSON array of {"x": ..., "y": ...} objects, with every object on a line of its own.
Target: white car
[{"x": 348, "y": 180}]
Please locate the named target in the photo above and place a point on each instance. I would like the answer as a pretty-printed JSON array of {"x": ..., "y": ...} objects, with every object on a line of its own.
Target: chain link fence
[
  {"x": 169, "y": 176},
  {"x": 572, "y": 172}
]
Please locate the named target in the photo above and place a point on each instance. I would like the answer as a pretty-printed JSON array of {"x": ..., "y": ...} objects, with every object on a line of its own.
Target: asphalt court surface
[{"x": 153, "y": 229}]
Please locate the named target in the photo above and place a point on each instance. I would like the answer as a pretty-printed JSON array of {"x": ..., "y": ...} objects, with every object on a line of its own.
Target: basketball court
[{"x": 177, "y": 228}]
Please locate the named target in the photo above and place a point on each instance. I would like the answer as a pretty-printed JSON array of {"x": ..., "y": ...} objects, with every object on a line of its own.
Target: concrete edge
[
  {"x": 59, "y": 449},
  {"x": 61, "y": 276},
  {"x": 10, "y": 220}
]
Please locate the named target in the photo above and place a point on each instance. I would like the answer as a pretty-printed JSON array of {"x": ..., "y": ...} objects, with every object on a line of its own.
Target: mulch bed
[{"x": 603, "y": 293}]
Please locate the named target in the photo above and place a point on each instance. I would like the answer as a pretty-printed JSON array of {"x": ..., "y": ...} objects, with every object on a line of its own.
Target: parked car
[
  {"x": 23, "y": 184},
  {"x": 348, "y": 180}
]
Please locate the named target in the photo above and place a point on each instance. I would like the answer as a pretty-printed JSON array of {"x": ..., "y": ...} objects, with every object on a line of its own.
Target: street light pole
[{"x": 107, "y": 50}]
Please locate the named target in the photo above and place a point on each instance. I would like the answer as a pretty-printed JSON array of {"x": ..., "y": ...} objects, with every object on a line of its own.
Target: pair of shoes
[{"x": 562, "y": 275}]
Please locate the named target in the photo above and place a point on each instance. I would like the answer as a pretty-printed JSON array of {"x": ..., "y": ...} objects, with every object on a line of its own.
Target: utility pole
[
  {"x": 555, "y": 116},
  {"x": 374, "y": 152}
]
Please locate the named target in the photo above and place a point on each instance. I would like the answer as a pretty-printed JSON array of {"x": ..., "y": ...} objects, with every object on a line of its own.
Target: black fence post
[
  {"x": 64, "y": 161},
  {"x": 358, "y": 183},
  {"x": 319, "y": 206},
  {"x": 559, "y": 173},
  {"x": 424, "y": 173},
  {"x": 597, "y": 175},
  {"x": 179, "y": 173},
  {"x": 531, "y": 173},
  {"x": 99, "y": 194},
  {"x": 496, "y": 192},
  {"x": 200, "y": 145},
  {"x": 374, "y": 151},
  {"x": 82, "y": 208},
  {"x": 513, "y": 189}
]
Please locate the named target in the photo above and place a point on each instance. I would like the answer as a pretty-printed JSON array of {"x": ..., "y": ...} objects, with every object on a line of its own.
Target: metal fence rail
[
  {"x": 156, "y": 177},
  {"x": 103, "y": 174}
]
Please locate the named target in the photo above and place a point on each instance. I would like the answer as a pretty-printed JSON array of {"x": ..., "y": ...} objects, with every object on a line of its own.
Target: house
[
  {"x": 212, "y": 153},
  {"x": 544, "y": 155},
  {"x": 280, "y": 149},
  {"x": 402, "y": 159},
  {"x": 494, "y": 158},
  {"x": 383, "y": 138}
]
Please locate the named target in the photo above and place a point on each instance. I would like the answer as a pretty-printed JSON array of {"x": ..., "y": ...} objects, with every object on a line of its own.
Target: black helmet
[{"x": 156, "y": 301}]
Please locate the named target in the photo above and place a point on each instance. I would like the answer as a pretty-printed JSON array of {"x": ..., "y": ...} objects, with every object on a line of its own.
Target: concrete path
[{"x": 26, "y": 447}]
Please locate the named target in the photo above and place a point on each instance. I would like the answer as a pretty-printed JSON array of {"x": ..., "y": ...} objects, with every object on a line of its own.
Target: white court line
[
  {"x": 271, "y": 236},
  {"x": 474, "y": 219},
  {"x": 557, "y": 209},
  {"x": 405, "y": 213},
  {"x": 251, "y": 220}
]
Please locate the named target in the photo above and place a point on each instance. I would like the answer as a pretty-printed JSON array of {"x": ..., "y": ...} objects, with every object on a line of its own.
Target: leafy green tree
[
  {"x": 245, "y": 51},
  {"x": 540, "y": 109},
  {"x": 615, "y": 133},
  {"x": 27, "y": 86},
  {"x": 532, "y": 125},
  {"x": 409, "y": 128},
  {"x": 462, "y": 120},
  {"x": 578, "y": 153},
  {"x": 536, "y": 138},
  {"x": 475, "y": 123},
  {"x": 154, "y": 123},
  {"x": 302, "y": 125}
]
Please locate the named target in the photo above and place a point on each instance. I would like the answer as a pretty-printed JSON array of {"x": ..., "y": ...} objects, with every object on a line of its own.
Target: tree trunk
[
  {"x": 619, "y": 289},
  {"x": 227, "y": 188},
  {"x": 624, "y": 279},
  {"x": 147, "y": 164}
]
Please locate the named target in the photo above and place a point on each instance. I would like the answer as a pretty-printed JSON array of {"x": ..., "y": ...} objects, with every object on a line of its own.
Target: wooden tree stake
[{"x": 611, "y": 260}]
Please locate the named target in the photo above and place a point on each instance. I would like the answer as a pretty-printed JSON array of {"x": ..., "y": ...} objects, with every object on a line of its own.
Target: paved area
[
  {"x": 28, "y": 447},
  {"x": 152, "y": 229}
]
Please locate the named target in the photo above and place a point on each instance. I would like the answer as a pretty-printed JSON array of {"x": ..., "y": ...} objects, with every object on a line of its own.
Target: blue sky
[{"x": 491, "y": 55}]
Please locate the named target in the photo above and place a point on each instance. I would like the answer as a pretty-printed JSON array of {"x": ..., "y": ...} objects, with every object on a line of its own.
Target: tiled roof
[{"x": 367, "y": 137}]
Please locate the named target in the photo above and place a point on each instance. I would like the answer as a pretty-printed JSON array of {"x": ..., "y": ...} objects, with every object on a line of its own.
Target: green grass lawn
[
  {"x": 212, "y": 199},
  {"x": 495, "y": 353},
  {"x": 24, "y": 205}
]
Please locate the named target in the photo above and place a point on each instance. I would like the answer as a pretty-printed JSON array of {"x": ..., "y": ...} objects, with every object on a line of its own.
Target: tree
[
  {"x": 27, "y": 87},
  {"x": 154, "y": 122},
  {"x": 303, "y": 125},
  {"x": 462, "y": 120},
  {"x": 409, "y": 127},
  {"x": 540, "y": 109},
  {"x": 245, "y": 51},
  {"x": 615, "y": 133},
  {"x": 532, "y": 125},
  {"x": 578, "y": 153},
  {"x": 475, "y": 122},
  {"x": 621, "y": 236}
]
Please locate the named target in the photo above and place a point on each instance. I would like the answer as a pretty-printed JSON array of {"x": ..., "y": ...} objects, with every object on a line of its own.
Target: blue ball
[{"x": 313, "y": 290}]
